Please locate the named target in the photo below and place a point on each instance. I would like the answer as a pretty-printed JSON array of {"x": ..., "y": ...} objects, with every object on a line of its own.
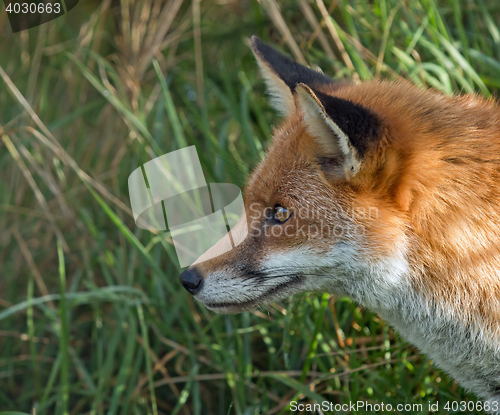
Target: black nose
[{"x": 191, "y": 280}]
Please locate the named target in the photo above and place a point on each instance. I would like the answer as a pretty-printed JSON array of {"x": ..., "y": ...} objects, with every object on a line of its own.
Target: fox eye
[{"x": 281, "y": 214}]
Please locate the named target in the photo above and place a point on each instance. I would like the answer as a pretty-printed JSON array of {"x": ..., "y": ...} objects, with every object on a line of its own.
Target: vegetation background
[{"x": 92, "y": 317}]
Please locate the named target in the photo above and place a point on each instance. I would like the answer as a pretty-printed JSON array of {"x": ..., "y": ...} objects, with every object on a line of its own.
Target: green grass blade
[{"x": 64, "y": 332}]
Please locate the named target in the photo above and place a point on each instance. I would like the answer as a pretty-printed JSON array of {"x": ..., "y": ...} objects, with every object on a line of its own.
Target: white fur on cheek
[{"x": 343, "y": 271}]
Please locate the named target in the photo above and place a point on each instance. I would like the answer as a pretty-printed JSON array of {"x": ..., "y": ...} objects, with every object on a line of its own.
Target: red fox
[{"x": 381, "y": 191}]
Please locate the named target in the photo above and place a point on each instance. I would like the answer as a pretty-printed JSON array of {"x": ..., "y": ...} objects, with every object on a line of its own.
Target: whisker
[{"x": 263, "y": 181}]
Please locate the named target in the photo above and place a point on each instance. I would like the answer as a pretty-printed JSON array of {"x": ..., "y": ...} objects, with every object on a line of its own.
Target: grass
[{"x": 93, "y": 319}]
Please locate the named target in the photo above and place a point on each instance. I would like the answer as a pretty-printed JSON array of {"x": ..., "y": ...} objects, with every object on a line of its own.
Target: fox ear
[
  {"x": 282, "y": 75},
  {"x": 343, "y": 130}
]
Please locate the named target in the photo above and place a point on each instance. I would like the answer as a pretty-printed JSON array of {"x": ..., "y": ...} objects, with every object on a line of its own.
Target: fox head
[{"x": 320, "y": 208}]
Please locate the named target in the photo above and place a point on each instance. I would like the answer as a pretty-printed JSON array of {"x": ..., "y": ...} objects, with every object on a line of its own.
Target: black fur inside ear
[
  {"x": 291, "y": 72},
  {"x": 360, "y": 125}
]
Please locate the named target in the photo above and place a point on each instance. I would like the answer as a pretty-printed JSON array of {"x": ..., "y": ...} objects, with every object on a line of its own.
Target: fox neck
[{"x": 465, "y": 348}]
